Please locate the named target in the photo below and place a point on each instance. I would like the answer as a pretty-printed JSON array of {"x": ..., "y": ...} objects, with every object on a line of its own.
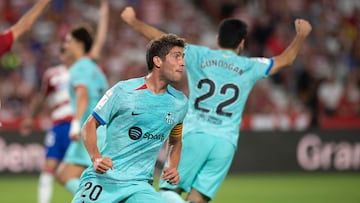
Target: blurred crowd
[{"x": 324, "y": 80}]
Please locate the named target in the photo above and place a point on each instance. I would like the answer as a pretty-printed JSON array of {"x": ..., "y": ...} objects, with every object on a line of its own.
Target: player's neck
[
  {"x": 237, "y": 51},
  {"x": 78, "y": 55},
  {"x": 155, "y": 84}
]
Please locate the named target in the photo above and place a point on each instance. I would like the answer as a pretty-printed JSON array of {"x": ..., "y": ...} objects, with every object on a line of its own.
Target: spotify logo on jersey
[{"x": 135, "y": 133}]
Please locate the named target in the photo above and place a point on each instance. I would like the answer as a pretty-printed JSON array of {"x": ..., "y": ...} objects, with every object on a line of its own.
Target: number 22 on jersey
[{"x": 212, "y": 90}]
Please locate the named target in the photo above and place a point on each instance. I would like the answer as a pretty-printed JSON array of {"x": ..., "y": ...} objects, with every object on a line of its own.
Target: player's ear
[
  {"x": 157, "y": 61},
  {"x": 241, "y": 46}
]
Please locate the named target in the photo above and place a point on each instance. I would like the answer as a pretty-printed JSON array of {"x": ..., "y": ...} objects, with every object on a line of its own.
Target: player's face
[
  {"x": 65, "y": 58},
  {"x": 71, "y": 45},
  {"x": 174, "y": 64}
]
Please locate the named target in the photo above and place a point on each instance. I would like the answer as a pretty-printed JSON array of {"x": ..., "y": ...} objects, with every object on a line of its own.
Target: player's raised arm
[
  {"x": 101, "y": 30},
  {"x": 128, "y": 15},
  {"x": 287, "y": 57},
  {"x": 28, "y": 19}
]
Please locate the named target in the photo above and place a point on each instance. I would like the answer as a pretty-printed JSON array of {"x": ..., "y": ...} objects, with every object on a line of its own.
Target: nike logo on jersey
[{"x": 135, "y": 114}]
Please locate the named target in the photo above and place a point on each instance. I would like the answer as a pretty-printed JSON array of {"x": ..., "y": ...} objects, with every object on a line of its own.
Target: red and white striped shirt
[{"x": 55, "y": 82}]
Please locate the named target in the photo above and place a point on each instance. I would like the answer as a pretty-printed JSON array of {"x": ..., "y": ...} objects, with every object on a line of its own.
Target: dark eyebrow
[{"x": 177, "y": 52}]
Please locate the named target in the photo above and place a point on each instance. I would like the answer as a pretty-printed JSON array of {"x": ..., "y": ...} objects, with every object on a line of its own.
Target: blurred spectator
[
  {"x": 349, "y": 105},
  {"x": 330, "y": 93}
]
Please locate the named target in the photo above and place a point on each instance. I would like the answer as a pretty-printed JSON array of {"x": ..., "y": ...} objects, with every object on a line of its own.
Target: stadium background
[{"x": 301, "y": 128}]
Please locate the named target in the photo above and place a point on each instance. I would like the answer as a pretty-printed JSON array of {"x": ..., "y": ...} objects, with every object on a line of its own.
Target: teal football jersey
[
  {"x": 219, "y": 84},
  {"x": 86, "y": 73},
  {"x": 138, "y": 122}
]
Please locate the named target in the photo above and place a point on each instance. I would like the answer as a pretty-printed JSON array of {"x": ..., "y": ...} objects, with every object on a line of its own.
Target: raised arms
[
  {"x": 129, "y": 17},
  {"x": 101, "y": 30},
  {"x": 287, "y": 57},
  {"x": 28, "y": 19}
]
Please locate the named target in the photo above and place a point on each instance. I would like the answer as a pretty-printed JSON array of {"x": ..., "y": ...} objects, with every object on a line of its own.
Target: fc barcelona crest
[{"x": 169, "y": 118}]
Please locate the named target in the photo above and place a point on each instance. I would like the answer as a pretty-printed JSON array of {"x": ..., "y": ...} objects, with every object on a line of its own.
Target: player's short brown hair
[{"x": 161, "y": 47}]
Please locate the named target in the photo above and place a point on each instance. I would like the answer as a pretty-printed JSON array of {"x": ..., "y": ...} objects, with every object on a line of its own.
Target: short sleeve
[
  {"x": 108, "y": 105},
  {"x": 261, "y": 67},
  {"x": 6, "y": 41},
  {"x": 79, "y": 75},
  {"x": 46, "y": 87},
  {"x": 193, "y": 54}
]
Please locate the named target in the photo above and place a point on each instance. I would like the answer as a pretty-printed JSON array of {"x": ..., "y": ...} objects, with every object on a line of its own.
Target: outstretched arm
[
  {"x": 28, "y": 19},
  {"x": 287, "y": 57},
  {"x": 128, "y": 15},
  {"x": 101, "y": 31}
]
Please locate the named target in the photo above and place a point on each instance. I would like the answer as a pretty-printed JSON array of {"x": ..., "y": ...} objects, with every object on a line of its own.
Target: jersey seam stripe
[
  {"x": 270, "y": 67},
  {"x": 98, "y": 118}
]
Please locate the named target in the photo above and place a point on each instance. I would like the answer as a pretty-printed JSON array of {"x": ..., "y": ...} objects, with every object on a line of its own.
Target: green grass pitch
[{"x": 249, "y": 188}]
